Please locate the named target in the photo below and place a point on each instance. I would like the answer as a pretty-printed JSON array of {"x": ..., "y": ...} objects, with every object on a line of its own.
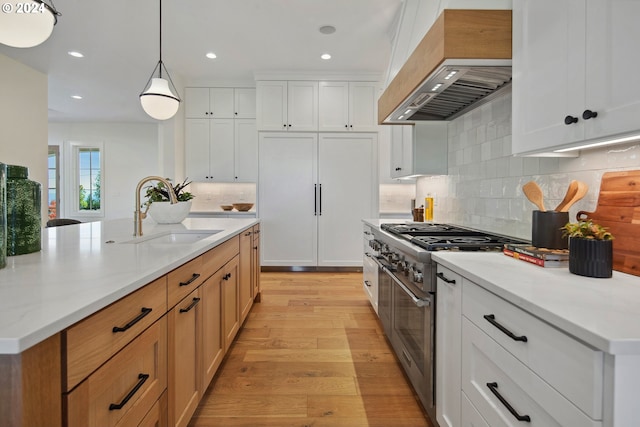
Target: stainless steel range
[{"x": 407, "y": 290}]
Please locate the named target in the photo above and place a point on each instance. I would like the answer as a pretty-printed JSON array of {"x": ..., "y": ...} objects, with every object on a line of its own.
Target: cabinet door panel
[
  {"x": 221, "y": 153},
  {"x": 221, "y": 102},
  {"x": 245, "y": 103},
  {"x": 613, "y": 88},
  {"x": 302, "y": 106},
  {"x": 230, "y": 302},
  {"x": 246, "y": 150},
  {"x": 287, "y": 198},
  {"x": 363, "y": 100},
  {"x": 196, "y": 103},
  {"x": 346, "y": 173},
  {"x": 212, "y": 339},
  {"x": 197, "y": 149},
  {"x": 333, "y": 106},
  {"x": 245, "y": 288},
  {"x": 271, "y": 105}
]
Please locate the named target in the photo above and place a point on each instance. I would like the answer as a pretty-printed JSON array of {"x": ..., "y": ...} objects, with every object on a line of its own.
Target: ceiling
[{"x": 119, "y": 39}]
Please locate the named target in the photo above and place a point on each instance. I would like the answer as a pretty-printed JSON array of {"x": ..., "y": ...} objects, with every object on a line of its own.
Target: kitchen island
[{"x": 96, "y": 269}]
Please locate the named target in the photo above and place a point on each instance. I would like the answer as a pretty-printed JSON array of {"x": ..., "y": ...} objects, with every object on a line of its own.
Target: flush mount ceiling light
[
  {"x": 27, "y": 23},
  {"x": 325, "y": 56},
  {"x": 75, "y": 54},
  {"x": 327, "y": 29},
  {"x": 158, "y": 100},
  {"x": 211, "y": 55}
]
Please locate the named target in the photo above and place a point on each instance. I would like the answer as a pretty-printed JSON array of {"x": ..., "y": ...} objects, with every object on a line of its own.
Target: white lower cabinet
[
  {"x": 470, "y": 415},
  {"x": 506, "y": 392},
  {"x": 448, "y": 347},
  {"x": 313, "y": 194}
]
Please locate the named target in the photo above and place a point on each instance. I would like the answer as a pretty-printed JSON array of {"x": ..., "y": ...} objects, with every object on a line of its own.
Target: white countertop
[
  {"x": 77, "y": 273},
  {"x": 604, "y": 313}
]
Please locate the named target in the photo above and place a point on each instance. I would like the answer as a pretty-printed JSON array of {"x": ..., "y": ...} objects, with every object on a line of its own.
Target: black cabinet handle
[
  {"x": 190, "y": 281},
  {"x": 494, "y": 389},
  {"x": 492, "y": 319},
  {"x": 569, "y": 120},
  {"x": 315, "y": 199},
  {"x": 588, "y": 114},
  {"x": 320, "y": 199},
  {"x": 443, "y": 277},
  {"x": 289, "y": 125},
  {"x": 226, "y": 276},
  {"x": 194, "y": 302},
  {"x": 284, "y": 125},
  {"x": 141, "y": 379},
  {"x": 346, "y": 126},
  {"x": 138, "y": 318},
  {"x": 248, "y": 233},
  {"x": 366, "y": 282},
  {"x": 398, "y": 169}
]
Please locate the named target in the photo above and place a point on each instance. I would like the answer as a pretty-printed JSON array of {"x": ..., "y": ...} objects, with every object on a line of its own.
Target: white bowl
[{"x": 167, "y": 213}]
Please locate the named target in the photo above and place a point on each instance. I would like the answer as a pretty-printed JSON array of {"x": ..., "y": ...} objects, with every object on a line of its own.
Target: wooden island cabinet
[{"x": 144, "y": 360}]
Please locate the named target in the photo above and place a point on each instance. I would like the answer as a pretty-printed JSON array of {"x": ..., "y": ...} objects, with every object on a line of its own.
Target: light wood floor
[{"x": 312, "y": 353}]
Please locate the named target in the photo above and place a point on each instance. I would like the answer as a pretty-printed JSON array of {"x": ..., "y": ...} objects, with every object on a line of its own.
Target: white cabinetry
[
  {"x": 287, "y": 106},
  {"x": 220, "y": 103},
  {"x": 221, "y": 150},
  {"x": 348, "y": 106},
  {"x": 419, "y": 150},
  {"x": 569, "y": 64},
  {"x": 448, "y": 347},
  {"x": 313, "y": 195}
]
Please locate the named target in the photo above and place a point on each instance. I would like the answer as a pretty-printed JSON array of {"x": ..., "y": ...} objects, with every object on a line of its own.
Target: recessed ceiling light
[
  {"x": 325, "y": 56},
  {"x": 75, "y": 54},
  {"x": 327, "y": 29},
  {"x": 76, "y": 96},
  {"x": 211, "y": 55}
]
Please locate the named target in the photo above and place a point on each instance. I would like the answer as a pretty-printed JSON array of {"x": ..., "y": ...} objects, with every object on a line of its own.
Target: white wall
[
  {"x": 23, "y": 121},
  {"x": 484, "y": 186},
  {"x": 131, "y": 152}
]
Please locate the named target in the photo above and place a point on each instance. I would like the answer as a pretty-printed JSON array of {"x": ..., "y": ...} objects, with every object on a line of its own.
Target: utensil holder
[
  {"x": 418, "y": 215},
  {"x": 546, "y": 229}
]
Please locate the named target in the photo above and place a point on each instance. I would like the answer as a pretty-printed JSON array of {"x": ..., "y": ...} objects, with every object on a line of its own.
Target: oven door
[
  {"x": 385, "y": 288},
  {"x": 412, "y": 337}
]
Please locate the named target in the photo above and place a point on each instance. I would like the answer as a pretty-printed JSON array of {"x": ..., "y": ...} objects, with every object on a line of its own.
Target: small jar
[
  {"x": 3, "y": 215},
  {"x": 24, "y": 219}
]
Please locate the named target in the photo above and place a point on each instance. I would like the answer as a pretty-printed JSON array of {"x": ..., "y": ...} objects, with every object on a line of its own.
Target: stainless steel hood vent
[
  {"x": 452, "y": 90},
  {"x": 463, "y": 61}
]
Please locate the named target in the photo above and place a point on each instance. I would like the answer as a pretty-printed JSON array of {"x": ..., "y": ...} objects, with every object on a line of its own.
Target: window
[
  {"x": 53, "y": 195},
  {"x": 85, "y": 195}
]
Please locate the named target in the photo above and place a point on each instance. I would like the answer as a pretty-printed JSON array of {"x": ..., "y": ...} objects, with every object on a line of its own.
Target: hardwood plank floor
[{"x": 312, "y": 353}]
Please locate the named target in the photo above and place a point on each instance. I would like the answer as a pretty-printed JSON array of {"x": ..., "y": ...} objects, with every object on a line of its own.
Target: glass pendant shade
[
  {"x": 158, "y": 101},
  {"x": 26, "y": 23}
]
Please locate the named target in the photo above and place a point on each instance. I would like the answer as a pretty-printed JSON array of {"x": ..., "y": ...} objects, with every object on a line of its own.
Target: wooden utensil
[
  {"x": 534, "y": 194},
  {"x": 580, "y": 193},
  {"x": 571, "y": 192}
]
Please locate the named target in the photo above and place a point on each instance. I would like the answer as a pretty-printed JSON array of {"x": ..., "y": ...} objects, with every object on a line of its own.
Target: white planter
[{"x": 167, "y": 213}]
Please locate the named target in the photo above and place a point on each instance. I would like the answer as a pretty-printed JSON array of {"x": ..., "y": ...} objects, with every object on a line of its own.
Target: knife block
[{"x": 546, "y": 229}]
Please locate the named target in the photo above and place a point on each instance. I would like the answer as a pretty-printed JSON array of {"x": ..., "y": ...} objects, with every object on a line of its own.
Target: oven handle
[{"x": 419, "y": 302}]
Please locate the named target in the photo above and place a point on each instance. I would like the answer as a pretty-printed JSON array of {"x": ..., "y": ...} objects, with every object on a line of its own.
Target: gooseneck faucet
[{"x": 138, "y": 215}]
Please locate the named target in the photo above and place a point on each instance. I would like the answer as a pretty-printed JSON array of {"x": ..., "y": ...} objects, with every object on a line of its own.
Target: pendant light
[
  {"x": 158, "y": 100},
  {"x": 26, "y": 23}
]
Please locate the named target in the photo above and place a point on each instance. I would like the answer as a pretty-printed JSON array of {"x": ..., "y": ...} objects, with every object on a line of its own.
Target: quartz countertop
[
  {"x": 83, "y": 268},
  {"x": 604, "y": 313}
]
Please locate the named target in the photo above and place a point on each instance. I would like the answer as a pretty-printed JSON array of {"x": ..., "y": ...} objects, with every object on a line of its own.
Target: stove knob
[{"x": 418, "y": 277}]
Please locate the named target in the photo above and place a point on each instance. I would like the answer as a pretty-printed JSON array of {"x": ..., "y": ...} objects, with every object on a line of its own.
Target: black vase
[{"x": 591, "y": 258}]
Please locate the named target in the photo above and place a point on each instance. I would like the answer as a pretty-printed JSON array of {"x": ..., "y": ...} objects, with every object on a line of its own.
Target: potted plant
[
  {"x": 590, "y": 249},
  {"x": 159, "y": 206}
]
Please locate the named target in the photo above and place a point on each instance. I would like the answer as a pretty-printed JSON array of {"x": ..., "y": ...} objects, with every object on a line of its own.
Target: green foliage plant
[
  {"x": 160, "y": 192},
  {"x": 586, "y": 230}
]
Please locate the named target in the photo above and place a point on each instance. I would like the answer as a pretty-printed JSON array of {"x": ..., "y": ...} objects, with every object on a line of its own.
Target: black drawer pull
[
  {"x": 226, "y": 276},
  {"x": 443, "y": 277},
  {"x": 141, "y": 379},
  {"x": 366, "y": 282},
  {"x": 494, "y": 389},
  {"x": 138, "y": 318},
  {"x": 492, "y": 319},
  {"x": 190, "y": 281},
  {"x": 193, "y": 304}
]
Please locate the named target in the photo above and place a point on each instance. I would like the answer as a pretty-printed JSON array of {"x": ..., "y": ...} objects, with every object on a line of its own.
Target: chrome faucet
[{"x": 138, "y": 215}]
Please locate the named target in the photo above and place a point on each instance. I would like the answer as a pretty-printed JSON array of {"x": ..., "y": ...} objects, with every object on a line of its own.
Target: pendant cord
[{"x": 160, "y": 37}]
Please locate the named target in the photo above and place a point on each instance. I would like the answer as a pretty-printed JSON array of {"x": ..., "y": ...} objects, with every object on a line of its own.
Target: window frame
[{"x": 72, "y": 170}]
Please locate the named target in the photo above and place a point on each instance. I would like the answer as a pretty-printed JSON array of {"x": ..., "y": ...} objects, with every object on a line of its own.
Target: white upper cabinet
[
  {"x": 287, "y": 106},
  {"x": 219, "y": 103},
  {"x": 573, "y": 72},
  {"x": 347, "y": 106},
  {"x": 419, "y": 150}
]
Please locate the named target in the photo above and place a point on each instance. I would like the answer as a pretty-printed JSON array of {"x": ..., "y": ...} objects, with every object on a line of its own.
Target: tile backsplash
[
  {"x": 483, "y": 188},
  {"x": 209, "y": 196}
]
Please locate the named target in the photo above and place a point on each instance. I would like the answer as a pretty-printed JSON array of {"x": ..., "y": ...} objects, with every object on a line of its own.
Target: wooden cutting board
[{"x": 618, "y": 209}]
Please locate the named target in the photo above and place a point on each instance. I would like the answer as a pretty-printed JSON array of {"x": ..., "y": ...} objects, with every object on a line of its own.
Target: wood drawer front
[
  {"x": 556, "y": 357},
  {"x": 184, "y": 279},
  {"x": 92, "y": 341},
  {"x": 221, "y": 254},
  {"x": 256, "y": 231},
  {"x": 89, "y": 404},
  {"x": 485, "y": 362},
  {"x": 157, "y": 416}
]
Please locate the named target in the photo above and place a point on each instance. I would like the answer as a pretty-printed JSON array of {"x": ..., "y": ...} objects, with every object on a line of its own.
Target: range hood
[{"x": 463, "y": 61}]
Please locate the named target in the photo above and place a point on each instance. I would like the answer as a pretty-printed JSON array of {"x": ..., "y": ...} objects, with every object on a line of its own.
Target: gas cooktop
[{"x": 435, "y": 237}]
